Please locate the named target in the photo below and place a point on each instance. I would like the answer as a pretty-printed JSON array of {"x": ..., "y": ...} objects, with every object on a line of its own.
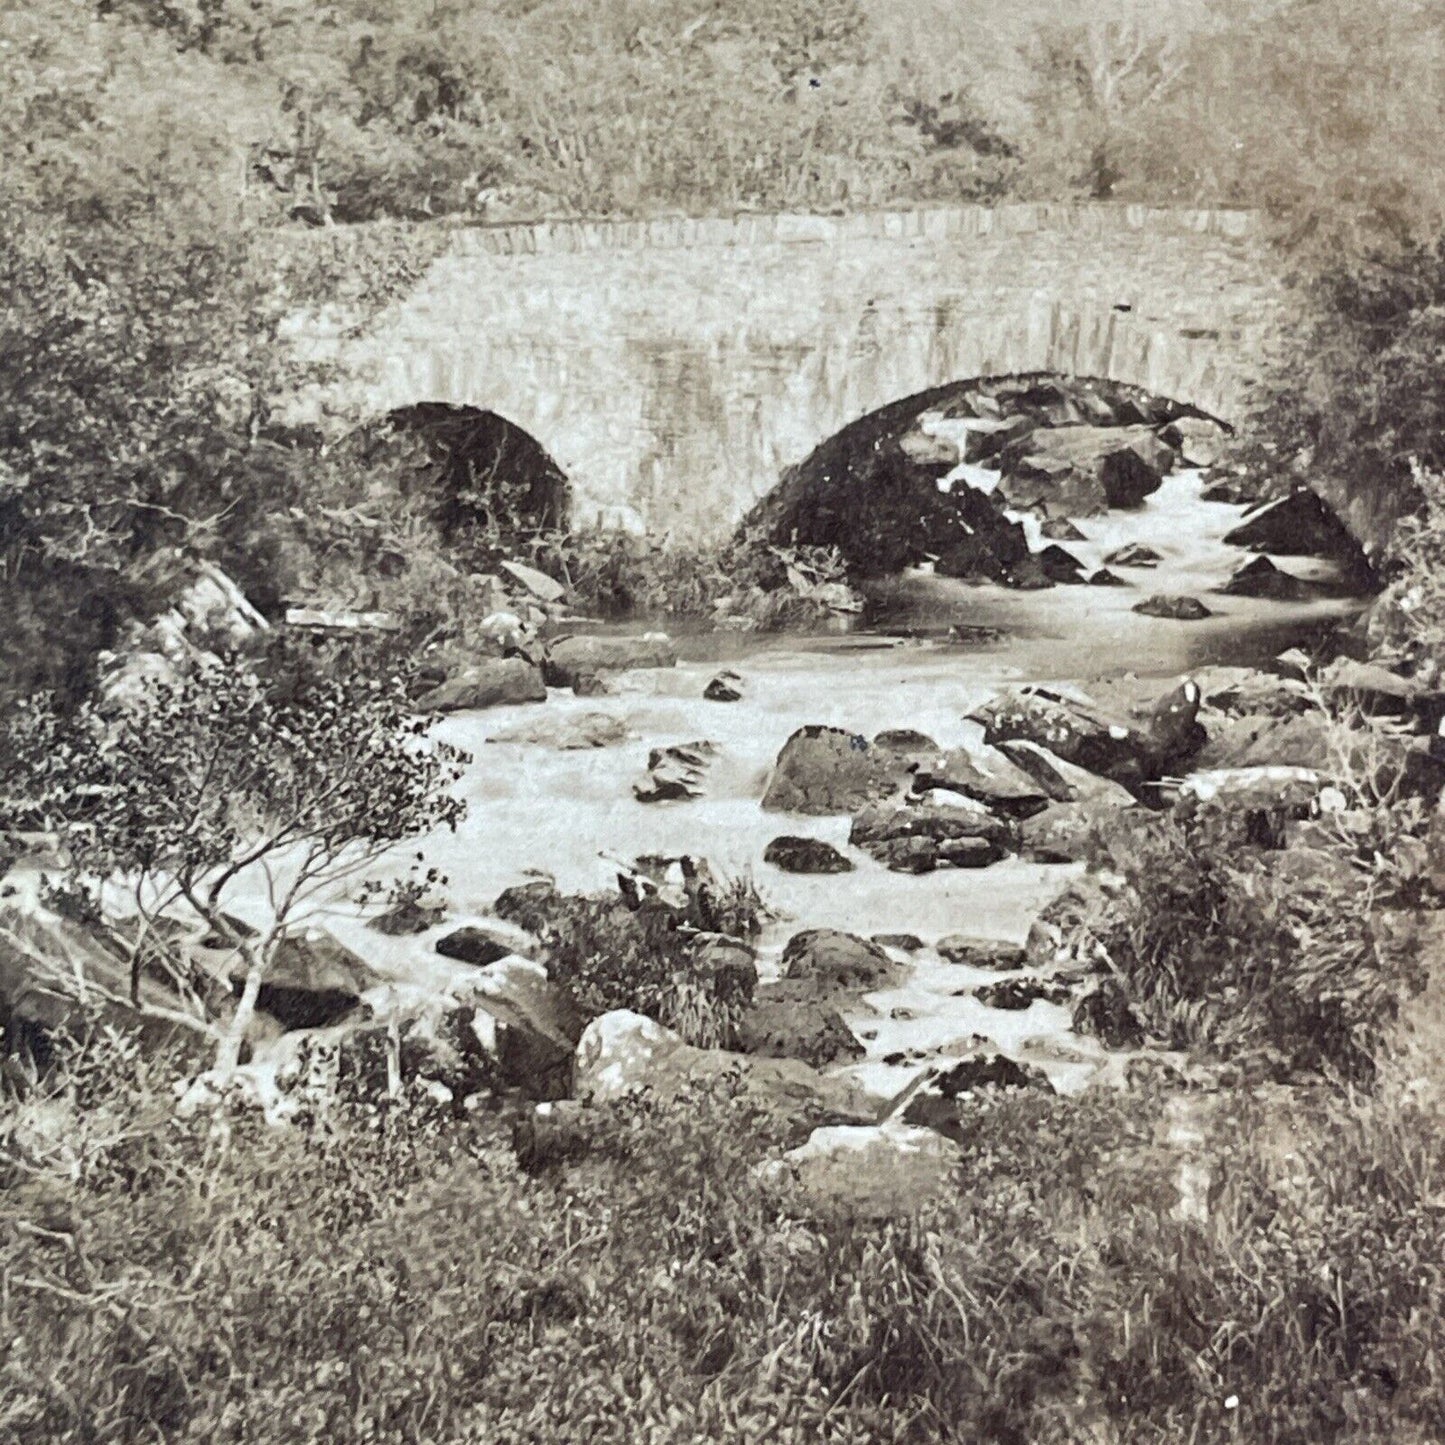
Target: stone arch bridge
[{"x": 673, "y": 368}]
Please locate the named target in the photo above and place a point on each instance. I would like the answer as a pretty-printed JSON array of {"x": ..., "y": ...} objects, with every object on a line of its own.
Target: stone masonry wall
[{"x": 673, "y": 368}]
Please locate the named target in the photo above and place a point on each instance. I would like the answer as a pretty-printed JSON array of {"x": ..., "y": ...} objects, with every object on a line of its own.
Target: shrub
[{"x": 1219, "y": 946}]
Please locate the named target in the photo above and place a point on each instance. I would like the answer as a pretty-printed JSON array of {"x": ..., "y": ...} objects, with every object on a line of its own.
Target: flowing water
[{"x": 571, "y": 814}]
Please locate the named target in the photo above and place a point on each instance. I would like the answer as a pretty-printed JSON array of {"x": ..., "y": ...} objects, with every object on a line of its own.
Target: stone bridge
[{"x": 673, "y": 368}]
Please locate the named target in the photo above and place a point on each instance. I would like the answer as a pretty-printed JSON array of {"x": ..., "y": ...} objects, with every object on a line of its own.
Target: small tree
[{"x": 217, "y": 785}]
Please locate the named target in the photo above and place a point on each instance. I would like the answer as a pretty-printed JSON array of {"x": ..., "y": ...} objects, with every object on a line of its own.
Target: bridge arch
[{"x": 675, "y": 368}]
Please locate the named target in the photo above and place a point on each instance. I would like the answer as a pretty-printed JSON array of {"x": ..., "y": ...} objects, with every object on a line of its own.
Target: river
[{"x": 571, "y": 814}]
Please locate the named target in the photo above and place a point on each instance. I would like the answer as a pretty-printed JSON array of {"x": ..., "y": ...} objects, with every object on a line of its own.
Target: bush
[
  {"x": 1220, "y": 946},
  {"x": 610, "y": 955}
]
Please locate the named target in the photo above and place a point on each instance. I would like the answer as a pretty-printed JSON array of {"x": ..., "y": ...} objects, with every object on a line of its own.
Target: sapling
[{"x": 216, "y": 786}]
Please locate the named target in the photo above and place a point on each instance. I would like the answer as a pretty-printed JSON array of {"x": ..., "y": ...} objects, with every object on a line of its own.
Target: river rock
[
  {"x": 1105, "y": 578},
  {"x": 837, "y": 962},
  {"x": 1299, "y": 525},
  {"x": 870, "y": 1171},
  {"x": 1015, "y": 994},
  {"x": 1060, "y": 565},
  {"x": 1091, "y": 739},
  {"x": 622, "y": 1052},
  {"x": 808, "y": 1029},
  {"x": 988, "y": 776},
  {"x": 973, "y": 952},
  {"x": 1080, "y": 470},
  {"x": 314, "y": 980},
  {"x": 907, "y": 742},
  {"x": 538, "y": 1026},
  {"x": 724, "y": 687},
  {"x": 826, "y": 770},
  {"x": 1061, "y": 529},
  {"x": 806, "y": 855},
  {"x": 1133, "y": 554},
  {"x": 1176, "y": 608},
  {"x": 490, "y": 682},
  {"x": 921, "y": 836},
  {"x": 473, "y": 945},
  {"x": 912, "y": 943},
  {"x": 569, "y": 658},
  {"x": 675, "y": 772},
  {"x": 1261, "y": 578}
]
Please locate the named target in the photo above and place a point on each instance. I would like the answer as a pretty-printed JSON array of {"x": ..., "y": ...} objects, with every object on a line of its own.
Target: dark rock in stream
[
  {"x": 1019, "y": 993},
  {"x": 1061, "y": 529},
  {"x": 1060, "y": 565},
  {"x": 1299, "y": 525},
  {"x": 1105, "y": 578},
  {"x": 725, "y": 687},
  {"x": 473, "y": 945},
  {"x": 1080, "y": 470},
  {"x": 906, "y": 741},
  {"x": 675, "y": 772},
  {"x": 1133, "y": 554},
  {"x": 1176, "y": 609},
  {"x": 981, "y": 952},
  {"x": 806, "y": 855},
  {"x": 1261, "y": 578},
  {"x": 911, "y": 943},
  {"x": 988, "y": 776}
]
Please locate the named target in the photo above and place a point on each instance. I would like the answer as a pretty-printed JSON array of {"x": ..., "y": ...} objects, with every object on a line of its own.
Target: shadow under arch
[
  {"x": 874, "y": 498},
  {"x": 487, "y": 474}
]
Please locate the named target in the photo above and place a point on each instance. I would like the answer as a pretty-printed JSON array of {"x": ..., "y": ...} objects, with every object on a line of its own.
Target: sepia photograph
[{"x": 722, "y": 722}]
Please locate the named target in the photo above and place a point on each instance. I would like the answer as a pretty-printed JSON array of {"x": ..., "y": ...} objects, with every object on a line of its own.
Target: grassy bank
[{"x": 393, "y": 1276}]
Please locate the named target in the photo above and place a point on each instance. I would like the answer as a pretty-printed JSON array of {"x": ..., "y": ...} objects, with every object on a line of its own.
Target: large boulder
[
  {"x": 571, "y": 658},
  {"x": 1299, "y": 525},
  {"x": 919, "y": 836},
  {"x": 623, "y": 1052},
  {"x": 537, "y": 1026},
  {"x": 835, "y": 962},
  {"x": 488, "y": 682},
  {"x": 986, "y": 775},
  {"x": 781, "y": 1026},
  {"x": 823, "y": 770},
  {"x": 1086, "y": 736},
  {"x": 1073, "y": 471},
  {"x": 1064, "y": 832}
]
